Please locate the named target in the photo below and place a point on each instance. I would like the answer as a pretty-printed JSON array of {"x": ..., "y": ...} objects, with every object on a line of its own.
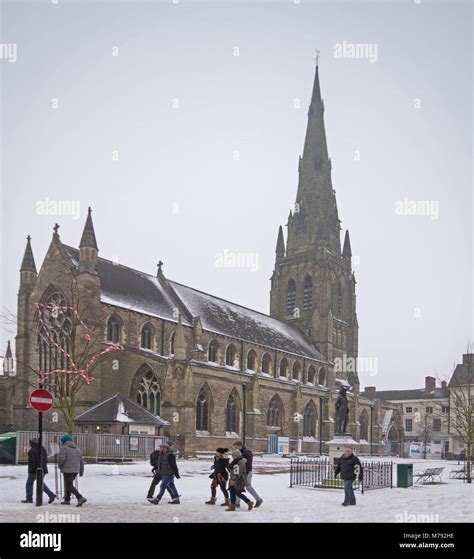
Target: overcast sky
[{"x": 181, "y": 125}]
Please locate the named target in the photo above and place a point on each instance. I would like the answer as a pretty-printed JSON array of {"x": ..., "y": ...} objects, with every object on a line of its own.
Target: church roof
[
  {"x": 119, "y": 409},
  {"x": 414, "y": 394},
  {"x": 131, "y": 289}
]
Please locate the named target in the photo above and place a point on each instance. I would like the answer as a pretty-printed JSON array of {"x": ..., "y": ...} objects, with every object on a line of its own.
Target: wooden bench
[{"x": 429, "y": 475}]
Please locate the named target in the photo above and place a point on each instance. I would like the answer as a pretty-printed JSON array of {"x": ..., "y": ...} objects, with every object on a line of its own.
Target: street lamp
[{"x": 298, "y": 418}]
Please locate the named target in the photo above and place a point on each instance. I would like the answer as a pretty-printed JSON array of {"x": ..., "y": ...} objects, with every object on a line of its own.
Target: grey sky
[{"x": 219, "y": 171}]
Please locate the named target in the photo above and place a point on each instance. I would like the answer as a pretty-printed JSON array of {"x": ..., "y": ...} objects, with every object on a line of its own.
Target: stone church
[{"x": 215, "y": 370}]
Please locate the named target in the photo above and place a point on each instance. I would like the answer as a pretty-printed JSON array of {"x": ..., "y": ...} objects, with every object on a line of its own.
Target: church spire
[
  {"x": 346, "y": 251},
  {"x": 88, "y": 235},
  {"x": 280, "y": 247},
  {"x": 28, "y": 262}
]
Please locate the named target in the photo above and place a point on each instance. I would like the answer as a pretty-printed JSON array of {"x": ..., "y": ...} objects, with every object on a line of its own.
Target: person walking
[
  {"x": 71, "y": 463},
  {"x": 33, "y": 465},
  {"x": 168, "y": 470},
  {"x": 349, "y": 467},
  {"x": 219, "y": 476},
  {"x": 238, "y": 481},
  {"x": 248, "y": 455},
  {"x": 154, "y": 458}
]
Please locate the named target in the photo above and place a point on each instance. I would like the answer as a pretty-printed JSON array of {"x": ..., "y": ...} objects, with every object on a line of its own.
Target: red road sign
[{"x": 41, "y": 400}]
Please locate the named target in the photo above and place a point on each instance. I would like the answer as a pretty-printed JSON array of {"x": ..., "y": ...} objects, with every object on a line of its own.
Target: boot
[
  {"x": 250, "y": 505},
  {"x": 226, "y": 503},
  {"x": 231, "y": 508},
  {"x": 81, "y": 501},
  {"x": 212, "y": 501}
]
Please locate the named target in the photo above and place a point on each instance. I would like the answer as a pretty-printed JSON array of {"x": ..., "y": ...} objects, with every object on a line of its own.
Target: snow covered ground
[{"x": 116, "y": 493}]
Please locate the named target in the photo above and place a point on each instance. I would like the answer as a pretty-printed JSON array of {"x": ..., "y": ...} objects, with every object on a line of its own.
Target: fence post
[
  {"x": 97, "y": 448},
  {"x": 291, "y": 472}
]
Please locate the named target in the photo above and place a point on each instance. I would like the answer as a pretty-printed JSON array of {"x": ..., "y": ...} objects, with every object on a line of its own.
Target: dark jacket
[
  {"x": 167, "y": 465},
  {"x": 154, "y": 457},
  {"x": 346, "y": 467},
  {"x": 220, "y": 466},
  {"x": 33, "y": 459},
  {"x": 70, "y": 459},
  {"x": 247, "y": 454},
  {"x": 238, "y": 474}
]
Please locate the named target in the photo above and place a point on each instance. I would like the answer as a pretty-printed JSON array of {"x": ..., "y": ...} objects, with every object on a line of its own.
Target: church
[{"x": 214, "y": 370}]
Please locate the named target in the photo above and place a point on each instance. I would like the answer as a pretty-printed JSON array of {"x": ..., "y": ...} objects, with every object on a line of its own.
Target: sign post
[{"x": 40, "y": 400}]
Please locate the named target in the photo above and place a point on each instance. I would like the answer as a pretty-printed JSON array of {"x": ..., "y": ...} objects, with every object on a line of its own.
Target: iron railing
[{"x": 319, "y": 472}]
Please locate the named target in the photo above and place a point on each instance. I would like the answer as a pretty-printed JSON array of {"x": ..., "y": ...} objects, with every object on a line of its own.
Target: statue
[{"x": 342, "y": 412}]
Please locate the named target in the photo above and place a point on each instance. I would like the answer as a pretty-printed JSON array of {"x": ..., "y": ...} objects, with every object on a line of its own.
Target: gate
[{"x": 272, "y": 444}]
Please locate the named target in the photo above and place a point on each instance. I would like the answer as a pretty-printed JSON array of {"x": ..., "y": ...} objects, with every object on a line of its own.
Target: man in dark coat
[
  {"x": 350, "y": 468},
  {"x": 33, "y": 465},
  {"x": 154, "y": 458},
  {"x": 168, "y": 470}
]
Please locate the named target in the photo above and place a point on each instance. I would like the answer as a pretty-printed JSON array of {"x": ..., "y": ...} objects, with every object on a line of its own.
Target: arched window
[
  {"x": 364, "y": 425},
  {"x": 146, "y": 338},
  {"x": 252, "y": 360},
  {"x": 322, "y": 376},
  {"x": 311, "y": 374},
  {"x": 340, "y": 301},
  {"x": 230, "y": 355},
  {"x": 291, "y": 296},
  {"x": 309, "y": 420},
  {"x": 266, "y": 364},
  {"x": 307, "y": 293},
  {"x": 232, "y": 413},
  {"x": 212, "y": 351},
  {"x": 202, "y": 412},
  {"x": 113, "y": 329},
  {"x": 54, "y": 343},
  {"x": 296, "y": 370},
  {"x": 148, "y": 393},
  {"x": 284, "y": 367},
  {"x": 172, "y": 338},
  {"x": 275, "y": 412}
]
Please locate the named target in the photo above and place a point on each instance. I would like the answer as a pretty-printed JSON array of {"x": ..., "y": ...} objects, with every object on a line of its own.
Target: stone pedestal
[{"x": 338, "y": 443}]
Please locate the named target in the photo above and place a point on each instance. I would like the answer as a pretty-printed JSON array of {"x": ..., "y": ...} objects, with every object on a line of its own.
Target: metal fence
[
  {"x": 94, "y": 446},
  {"x": 319, "y": 472}
]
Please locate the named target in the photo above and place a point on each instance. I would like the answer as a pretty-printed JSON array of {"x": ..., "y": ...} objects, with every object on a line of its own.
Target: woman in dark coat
[{"x": 219, "y": 476}]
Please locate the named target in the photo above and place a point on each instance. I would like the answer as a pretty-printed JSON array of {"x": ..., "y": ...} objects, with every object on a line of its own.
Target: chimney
[
  {"x": 443, "y": 384},
  {"x": 370, "y": 391},
  {"x": 430, "y": 384},
  {"x": 468, "y": 359}
]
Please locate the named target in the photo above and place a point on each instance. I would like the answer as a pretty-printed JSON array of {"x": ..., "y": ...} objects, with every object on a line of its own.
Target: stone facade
[{"x": 214, "y": 370}]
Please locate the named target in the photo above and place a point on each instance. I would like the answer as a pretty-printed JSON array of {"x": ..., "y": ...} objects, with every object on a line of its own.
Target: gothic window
[
  {"x": 202, "y": 412},
  {"x": 146, "y": 340},
  {"x": 311, "y": 374},
  {"x": 54, "y": 342},
  {"x": 284, "y": 367},
  {"x": 340, "y": 301},
  {"x": 307, "y": 293},
  {"x": 364, "y": 425},
  {"x": 322, "y": 376},
  {"x": 296, "y": 370},
  {"x": 230, "y": 355},
  {"x": 232, "y": 414},
  {"x": 266, "y": 364},
  {"x": 173, "y": 336},
  {"x": 291, "y": 296},
  {"x": 113, "y": 329},
  {"x": 274, "y": 415},
  {"x": 252, "y": 360},
  {"x": 309, "y": 420},
  {"x": 212, "y": 351},
  {"x": 148, "y": 393}
]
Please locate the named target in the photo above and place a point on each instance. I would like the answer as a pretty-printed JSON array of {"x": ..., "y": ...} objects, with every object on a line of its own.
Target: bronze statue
[{"x": 342, "y": 412}]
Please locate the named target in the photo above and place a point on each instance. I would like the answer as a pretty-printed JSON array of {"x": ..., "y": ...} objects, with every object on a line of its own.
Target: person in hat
[
  {"x": 238, "y": 481},
  {"x": 219, "y": 476},
  {"x": 154, "y": 458},
  {"x": 70, "y": 463},
  {"x": 168, "y": 470},
  {"x": 33, "y": 464}
]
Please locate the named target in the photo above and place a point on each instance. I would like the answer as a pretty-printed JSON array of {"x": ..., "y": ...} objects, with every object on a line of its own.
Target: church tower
[{"x": 313, "y": 285}]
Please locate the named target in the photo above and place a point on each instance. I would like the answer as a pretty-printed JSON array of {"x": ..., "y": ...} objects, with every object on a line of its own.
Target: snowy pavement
[{"x": 116, "y": 493}]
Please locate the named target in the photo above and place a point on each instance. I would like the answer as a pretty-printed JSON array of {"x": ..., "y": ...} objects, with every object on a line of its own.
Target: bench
[
  {"x": 429, "y": 475},
  {"x": 460, "y": 473}
]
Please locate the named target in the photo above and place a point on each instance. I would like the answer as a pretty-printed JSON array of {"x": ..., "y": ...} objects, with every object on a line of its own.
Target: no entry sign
[{"x": 41, "y": 400}]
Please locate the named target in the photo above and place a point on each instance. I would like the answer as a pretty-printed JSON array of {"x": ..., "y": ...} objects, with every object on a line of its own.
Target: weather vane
[{"x": 317, "y": 57}]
